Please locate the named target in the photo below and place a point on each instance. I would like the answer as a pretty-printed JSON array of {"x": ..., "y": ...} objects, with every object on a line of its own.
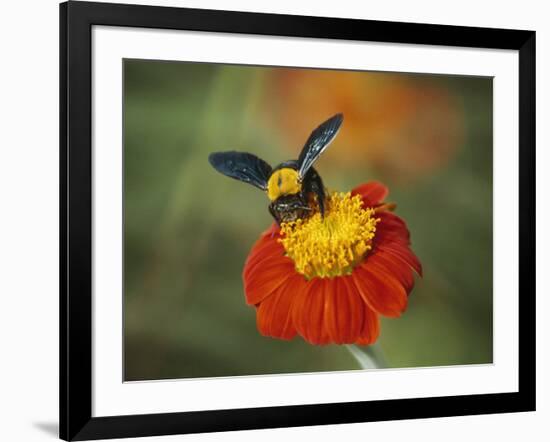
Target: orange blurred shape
[{"x": 401, "y": 125}]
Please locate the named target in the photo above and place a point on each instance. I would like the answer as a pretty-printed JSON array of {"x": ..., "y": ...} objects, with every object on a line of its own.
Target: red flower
[{"x": 327, "y": 279}]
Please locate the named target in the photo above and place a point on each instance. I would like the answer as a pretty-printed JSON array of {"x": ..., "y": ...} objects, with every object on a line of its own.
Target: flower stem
[{"x": 368, "y": 357}]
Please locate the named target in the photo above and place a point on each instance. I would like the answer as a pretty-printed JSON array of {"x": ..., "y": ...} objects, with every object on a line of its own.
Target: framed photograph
[{"x": 273, "y": 220}]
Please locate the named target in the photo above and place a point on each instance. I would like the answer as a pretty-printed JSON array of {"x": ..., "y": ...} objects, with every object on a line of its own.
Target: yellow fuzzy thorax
[
  {"x": 284, "y": 181},
  {"x": 332, "y": 245}
]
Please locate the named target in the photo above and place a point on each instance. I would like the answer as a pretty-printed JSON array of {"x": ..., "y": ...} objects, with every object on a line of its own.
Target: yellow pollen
[{"x": 333, "y": 245}]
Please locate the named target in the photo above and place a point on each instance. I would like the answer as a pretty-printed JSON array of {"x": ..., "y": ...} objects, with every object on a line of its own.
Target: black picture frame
[{"x": 76, "y": 21}]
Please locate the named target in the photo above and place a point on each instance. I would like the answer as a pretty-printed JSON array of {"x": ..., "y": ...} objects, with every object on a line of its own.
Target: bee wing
[
  {"x": 317, "y": 142},
  {"x": 242, "y": 166}
]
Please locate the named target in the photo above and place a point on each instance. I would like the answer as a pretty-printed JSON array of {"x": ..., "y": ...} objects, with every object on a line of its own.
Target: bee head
[{"x": 284, "y": 181}]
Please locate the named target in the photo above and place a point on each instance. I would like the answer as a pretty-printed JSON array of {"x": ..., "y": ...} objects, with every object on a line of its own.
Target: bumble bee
[{"x": 290, "y": 186}]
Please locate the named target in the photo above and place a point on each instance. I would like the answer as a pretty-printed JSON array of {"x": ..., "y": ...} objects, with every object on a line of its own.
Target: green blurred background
[{"x": 189, "y": 229}]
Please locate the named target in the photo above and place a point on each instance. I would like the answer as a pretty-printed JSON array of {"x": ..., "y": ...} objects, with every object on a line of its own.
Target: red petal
[
  {"x": 266, "y": 267},
  {"x": 272, "y": 230},
  {"x": 267, "y": 277},
  {"x": 393, "y": 265},
  {"x": 392, "y": 220},
  {"x": 402, "y": 252},
  {"x": 391, "y": 228},
  {"x": 261, "y": 252},
  {"x": 343, "y": 312},
  {"x": 268, "y": 242},
  {"x": 371, "y": 327},
  {"x": 373, "y": 193},
  {"x": 381, "y": 291},
  {"x": 308, "y": 312},
  {"x": 273, "y": 316}
]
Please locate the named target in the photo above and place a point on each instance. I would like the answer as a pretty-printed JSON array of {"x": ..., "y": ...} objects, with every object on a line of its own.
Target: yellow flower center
[{"x": 332, "y": 245}]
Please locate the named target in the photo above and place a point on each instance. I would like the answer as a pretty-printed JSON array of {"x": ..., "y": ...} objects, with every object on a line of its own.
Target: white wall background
[{"x": 29, "y": 217}]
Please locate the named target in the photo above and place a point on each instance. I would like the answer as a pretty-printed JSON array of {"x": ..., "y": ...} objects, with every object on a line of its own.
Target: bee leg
[
  {"x": 313, "y": 183},
  {"x": 274, "y": 214},
  {"x": 321, "y": 199}
]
